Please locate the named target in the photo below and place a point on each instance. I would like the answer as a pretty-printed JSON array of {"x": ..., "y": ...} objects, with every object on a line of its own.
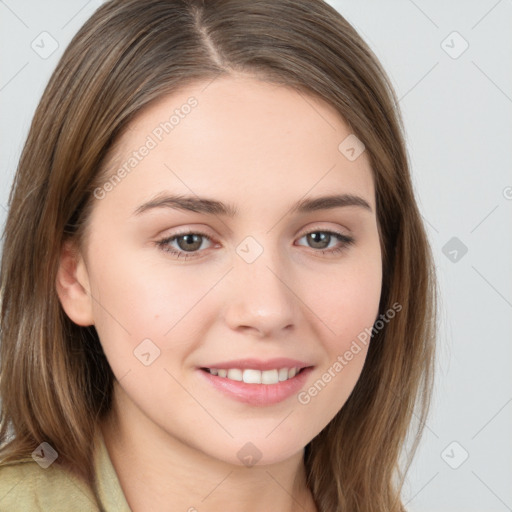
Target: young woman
[{"x": 217, "y": 290}]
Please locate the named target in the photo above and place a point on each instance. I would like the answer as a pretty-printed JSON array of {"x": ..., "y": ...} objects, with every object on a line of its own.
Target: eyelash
[{"x": 163, "y": 244}]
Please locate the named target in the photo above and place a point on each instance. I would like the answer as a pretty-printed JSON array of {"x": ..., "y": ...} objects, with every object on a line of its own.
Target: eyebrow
[{"x": 214, "y": 207}]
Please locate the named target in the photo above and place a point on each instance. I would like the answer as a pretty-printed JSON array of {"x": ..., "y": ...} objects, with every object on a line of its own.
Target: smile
[{"x": 256, "y": 387}]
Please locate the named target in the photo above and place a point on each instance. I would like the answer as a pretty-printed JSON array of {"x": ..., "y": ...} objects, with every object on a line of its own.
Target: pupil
[
  {"x": 190, "y": 241},
  {"x": 319, "y": 238}
]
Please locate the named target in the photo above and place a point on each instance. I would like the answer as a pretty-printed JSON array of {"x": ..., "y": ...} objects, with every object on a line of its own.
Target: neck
[{"x": 156, "y": 469}]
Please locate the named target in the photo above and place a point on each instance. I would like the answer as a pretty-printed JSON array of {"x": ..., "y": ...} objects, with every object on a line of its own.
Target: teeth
[
  {"x": 283, "y": 374},
  {"x": 235, "y": 374},
  {"x": 250, "y": 376},
  {"x": 270, "y": 377}
]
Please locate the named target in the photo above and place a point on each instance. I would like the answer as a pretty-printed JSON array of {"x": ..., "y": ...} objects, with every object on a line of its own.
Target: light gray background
[{"x": 457, "y": 111}]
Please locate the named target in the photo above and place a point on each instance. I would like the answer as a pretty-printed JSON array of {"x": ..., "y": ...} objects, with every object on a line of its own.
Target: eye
[
  {"x": 189, "y": 242},
  {"x": 321, "y": 239}
]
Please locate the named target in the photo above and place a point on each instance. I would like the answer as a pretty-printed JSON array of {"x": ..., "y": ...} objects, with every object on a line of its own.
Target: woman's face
[{"x": 259, "y": 284}]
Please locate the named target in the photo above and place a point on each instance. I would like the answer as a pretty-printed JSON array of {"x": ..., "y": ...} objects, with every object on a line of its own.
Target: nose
[{"x": 259, "y": 296}]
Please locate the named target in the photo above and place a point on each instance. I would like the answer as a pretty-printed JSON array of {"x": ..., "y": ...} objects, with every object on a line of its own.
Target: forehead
[{"x": 238, "y": 138}]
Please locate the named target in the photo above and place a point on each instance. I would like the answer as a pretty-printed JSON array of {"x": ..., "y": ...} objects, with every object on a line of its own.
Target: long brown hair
[{"x": 55, "y": 380}]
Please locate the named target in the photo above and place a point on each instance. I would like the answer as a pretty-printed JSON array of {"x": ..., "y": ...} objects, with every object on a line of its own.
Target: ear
[{"x": 72, "y": 284}]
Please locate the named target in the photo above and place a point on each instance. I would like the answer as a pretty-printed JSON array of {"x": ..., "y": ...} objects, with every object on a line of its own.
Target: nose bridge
[{"x": 259, "y": 295}]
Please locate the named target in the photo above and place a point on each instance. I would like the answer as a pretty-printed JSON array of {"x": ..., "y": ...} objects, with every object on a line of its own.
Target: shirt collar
[{"x": 108, "y": 487}]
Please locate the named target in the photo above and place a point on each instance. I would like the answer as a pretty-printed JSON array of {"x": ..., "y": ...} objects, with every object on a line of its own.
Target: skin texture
[{"x": 172, "y": 437}]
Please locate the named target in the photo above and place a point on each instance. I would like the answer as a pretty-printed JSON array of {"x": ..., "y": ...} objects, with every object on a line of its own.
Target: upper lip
[{"x": 257, "y": 364}]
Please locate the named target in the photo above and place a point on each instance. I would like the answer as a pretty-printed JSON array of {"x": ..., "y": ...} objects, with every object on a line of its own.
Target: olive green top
[{"x": 26, "y": 486}]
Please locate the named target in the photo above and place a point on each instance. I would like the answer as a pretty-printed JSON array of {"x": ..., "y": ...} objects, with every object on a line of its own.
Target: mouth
[{"x": 254, "y": 386}]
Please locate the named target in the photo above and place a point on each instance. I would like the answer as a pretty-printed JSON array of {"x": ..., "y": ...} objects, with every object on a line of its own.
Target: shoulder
[{"x": 26, "y": 486}]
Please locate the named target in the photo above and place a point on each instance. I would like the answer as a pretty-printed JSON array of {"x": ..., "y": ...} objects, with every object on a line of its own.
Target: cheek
[
  {"x": 137, "y": 300},
  {"x": 136, "y": 285},
  {"x": 347, "y": 299},
  {"x": 348, "y": 306}
]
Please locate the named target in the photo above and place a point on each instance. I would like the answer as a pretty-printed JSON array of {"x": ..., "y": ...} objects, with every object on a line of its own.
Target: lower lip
[{"x": 258, "y": 394}]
